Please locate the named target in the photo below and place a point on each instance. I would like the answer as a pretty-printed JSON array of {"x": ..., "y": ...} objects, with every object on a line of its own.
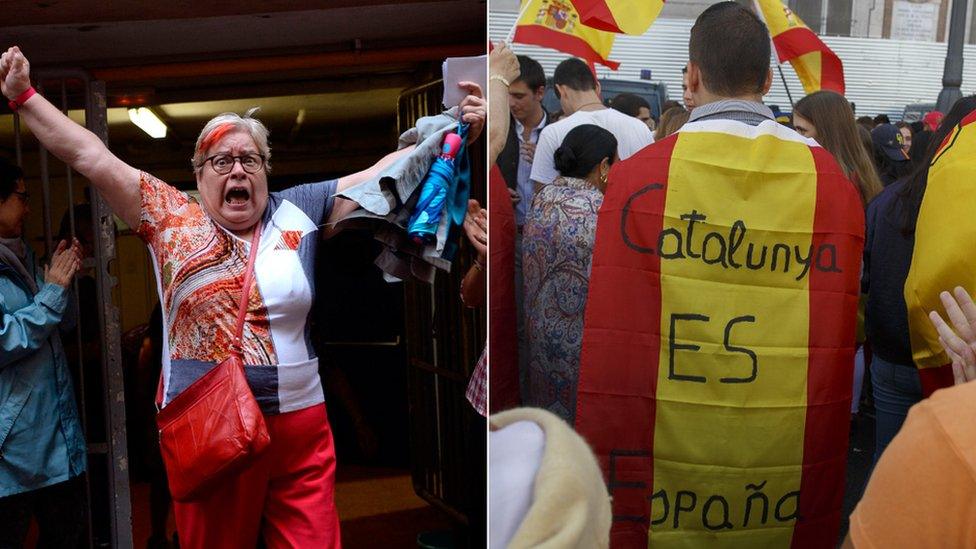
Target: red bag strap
[
  {"x": 246, "y": 291},
  {"x": 236, "y": 345}
]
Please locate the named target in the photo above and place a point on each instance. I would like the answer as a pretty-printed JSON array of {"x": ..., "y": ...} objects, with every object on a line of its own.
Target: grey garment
[
  {"x": 381, "y": 195},
  {"x": 748, "y": 112},
  {"x": 10, "y": 257},
  {"x": 387, "y": 201}
]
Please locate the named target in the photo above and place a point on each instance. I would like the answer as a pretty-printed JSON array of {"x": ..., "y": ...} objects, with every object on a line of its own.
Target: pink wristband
[{"x": 19, "y": 101}]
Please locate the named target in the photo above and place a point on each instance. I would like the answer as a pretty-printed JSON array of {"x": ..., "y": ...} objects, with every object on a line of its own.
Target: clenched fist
[{"x": 14, "y": 73}]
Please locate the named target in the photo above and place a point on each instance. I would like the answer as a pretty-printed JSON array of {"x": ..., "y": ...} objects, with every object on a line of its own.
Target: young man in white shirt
[{"x": 579, "y": 95}]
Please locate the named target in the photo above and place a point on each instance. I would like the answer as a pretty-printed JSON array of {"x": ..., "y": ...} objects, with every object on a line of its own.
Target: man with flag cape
[{"x": 718, "y": 345}]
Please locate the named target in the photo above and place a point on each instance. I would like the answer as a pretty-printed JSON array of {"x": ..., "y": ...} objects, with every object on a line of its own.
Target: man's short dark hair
[
  {"x": 575, "y": 74},
  {"x": 731, "y": 47},
  {"x": 881, "y": 119},
  {"x": 9, "y": 175},
  {"x": 629, "y": 104},
  {"x": 531, "y": 73}
]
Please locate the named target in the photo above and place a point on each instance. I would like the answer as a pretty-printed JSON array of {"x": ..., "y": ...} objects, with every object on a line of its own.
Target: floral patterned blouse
[{"x": 557, "y": 247}]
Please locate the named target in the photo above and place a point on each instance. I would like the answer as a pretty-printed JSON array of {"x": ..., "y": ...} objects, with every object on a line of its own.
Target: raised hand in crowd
[
  {"x": 515, "y": 196},
  {"x": 474, "y": 109},
  {"x": 14, "y": 72},
  {"x": 959, "y": 341},
  {"x": 64, "y": 264},
  {"x": 476, "y": 227},
  {"x": 503, "y": 69}
]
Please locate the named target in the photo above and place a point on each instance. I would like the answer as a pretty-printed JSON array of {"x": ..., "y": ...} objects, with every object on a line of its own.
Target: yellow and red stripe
[
  {"x": 711, "y": 372},
  {"x": 619, "y": 16},
  {"x": 940, "y": 258},
  {"x": 817, "y": 66}
]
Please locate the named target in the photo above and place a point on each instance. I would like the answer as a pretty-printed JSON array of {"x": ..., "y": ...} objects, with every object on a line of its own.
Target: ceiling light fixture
[{"x": 148, "y": 122}]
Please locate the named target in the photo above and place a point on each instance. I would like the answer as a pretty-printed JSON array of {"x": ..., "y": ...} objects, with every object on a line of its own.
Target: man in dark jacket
[{"x": 528, "y": 119}]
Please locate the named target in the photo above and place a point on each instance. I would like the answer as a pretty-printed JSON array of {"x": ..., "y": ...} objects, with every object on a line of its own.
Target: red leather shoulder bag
[{"x": 214, "y": 427}]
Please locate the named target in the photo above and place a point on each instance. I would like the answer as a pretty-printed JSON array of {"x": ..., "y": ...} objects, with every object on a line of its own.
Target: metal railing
[
  {"x": 444, "y": 341},
  {"x": 95, "y": 359}
]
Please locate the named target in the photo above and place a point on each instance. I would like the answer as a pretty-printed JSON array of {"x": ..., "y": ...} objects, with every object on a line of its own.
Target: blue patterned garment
[{"x": 557, "y": 247}]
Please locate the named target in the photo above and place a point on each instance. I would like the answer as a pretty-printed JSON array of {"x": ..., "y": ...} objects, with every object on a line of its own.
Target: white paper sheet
[{"x": 461, "y": 69}]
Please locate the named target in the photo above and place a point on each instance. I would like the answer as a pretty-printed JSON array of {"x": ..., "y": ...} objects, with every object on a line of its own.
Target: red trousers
[{"x": 286, "y": 495}]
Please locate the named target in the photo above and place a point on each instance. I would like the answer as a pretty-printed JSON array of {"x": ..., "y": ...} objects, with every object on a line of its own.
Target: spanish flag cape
[
  {"x": 718, "y": 345},
  {"x": 503, "y": 376},
  {"x": 942, "y": 257}
]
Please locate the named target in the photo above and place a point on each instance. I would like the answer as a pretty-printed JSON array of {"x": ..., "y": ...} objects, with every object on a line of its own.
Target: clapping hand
[
  {"x": 476, "y": 227},
  {"x": 64, "y": 264}
]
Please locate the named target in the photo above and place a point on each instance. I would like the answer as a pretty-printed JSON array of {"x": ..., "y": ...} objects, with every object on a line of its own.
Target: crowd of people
[{"x": 606, "y": 275}]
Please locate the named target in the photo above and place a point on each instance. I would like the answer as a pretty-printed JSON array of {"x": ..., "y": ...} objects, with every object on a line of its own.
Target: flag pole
[
  {"x": 772, "y": 46},
  {"x": 788, "y": 94},
  {"x": 511, "y": 33}
]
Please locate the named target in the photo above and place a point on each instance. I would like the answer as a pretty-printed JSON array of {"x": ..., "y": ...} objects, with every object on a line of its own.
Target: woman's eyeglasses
[{"x": 224, "y": 163}]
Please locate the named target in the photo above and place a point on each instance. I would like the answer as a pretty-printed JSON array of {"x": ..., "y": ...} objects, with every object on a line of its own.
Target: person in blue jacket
[{"x": 42, "y": 450}]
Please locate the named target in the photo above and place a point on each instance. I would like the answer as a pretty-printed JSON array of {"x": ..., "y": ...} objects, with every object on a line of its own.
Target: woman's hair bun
[{"x": 565, "y": 159}]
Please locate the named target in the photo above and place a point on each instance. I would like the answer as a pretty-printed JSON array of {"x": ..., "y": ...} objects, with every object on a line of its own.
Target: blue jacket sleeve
[{"x": 25, "y": 330}]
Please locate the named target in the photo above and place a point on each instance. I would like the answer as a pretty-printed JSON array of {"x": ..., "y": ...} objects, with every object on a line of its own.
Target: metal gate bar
[
  {"x": 444, "y": 341},
  {"x": 103, "y": 244}
]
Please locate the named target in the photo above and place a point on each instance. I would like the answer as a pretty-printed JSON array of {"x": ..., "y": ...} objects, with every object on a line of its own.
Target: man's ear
[
  {"x": 769, "y": 82},
  {"x": 539, "y": 93},
  {"x": 694, "y": 77}
]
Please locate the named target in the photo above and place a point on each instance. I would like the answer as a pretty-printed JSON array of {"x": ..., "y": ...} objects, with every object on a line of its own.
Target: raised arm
[
  {"x": 471, "y": 110},
  {"x": 504, "y": 69},
  {"x": 76, "y": 146}
]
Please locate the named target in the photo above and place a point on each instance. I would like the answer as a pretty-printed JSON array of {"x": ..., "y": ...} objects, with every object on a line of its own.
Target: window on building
[
  {"x": 810, "y": 11},
  {"x": 839, "y": 17},
  {"x": 972, "y": 25}
]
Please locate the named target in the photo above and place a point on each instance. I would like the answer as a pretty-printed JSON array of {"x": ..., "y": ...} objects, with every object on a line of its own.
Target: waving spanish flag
[
  {"x": 556, "y": 24},
  {"x": 942, "y": 257},
  {"x": 818, "y": 67},
  {"x": 619, "y": 16},
  {"x": 718, "y": 344}
]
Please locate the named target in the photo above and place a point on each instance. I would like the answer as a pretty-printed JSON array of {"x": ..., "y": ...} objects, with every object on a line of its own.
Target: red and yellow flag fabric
[
  {"x": 818, "y": 67},
  {"x": 556, "y": 24},
  {"x": 718, "y": 345},
  {"x": 503, "y": 382},
  {"x": 942, "y": 257},
  {"x": 619, "y": 16}
]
